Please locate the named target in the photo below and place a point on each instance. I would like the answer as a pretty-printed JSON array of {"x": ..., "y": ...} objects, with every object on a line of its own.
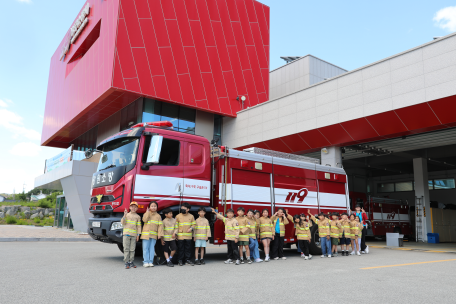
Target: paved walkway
[
  {"x": 11, "y": 233},
  {"x": 425, "y": 247}
]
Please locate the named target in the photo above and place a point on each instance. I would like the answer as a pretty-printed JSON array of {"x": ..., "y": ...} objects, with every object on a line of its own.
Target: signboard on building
[
  {"x": 75, "y": 30},
  {"x": 58, "y": 160}
]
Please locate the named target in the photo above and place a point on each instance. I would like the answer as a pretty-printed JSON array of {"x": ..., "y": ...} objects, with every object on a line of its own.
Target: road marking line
[{"x": 409, "y": 264}]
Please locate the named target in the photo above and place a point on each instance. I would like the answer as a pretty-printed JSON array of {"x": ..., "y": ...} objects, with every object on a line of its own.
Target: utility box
[
  {"x": 433, "y": 238},
  {"x": 394, "y": 240}
]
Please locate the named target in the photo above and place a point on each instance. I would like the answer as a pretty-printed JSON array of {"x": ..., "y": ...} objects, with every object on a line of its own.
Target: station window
[
  {"x": 444, "y": 183},
  {"x": 385, "y": 187},
  {"x": 218, "y": 129},
  {"x": 86, "y": 141},
  {"x": 182, "y": 118},
  {"x": 404, "y": 186}
]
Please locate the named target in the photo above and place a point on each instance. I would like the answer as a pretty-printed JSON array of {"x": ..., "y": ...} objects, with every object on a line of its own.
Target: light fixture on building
[
  {"x": 324, "y": 150},
  {"x": 242, "y": 99}
]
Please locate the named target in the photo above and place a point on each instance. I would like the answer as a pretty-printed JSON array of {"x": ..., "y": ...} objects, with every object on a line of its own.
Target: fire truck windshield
[{"x": 117, "y": 153}]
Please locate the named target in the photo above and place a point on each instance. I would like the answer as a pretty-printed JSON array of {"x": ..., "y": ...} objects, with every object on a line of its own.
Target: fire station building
[{"x": 204, "y": 66}]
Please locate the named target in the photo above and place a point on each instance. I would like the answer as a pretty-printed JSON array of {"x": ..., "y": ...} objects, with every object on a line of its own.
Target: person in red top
[{"x": 362, "y": 218}]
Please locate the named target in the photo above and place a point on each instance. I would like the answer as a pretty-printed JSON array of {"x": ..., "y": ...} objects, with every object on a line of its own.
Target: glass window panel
[
  {"x": 444, "y": 183},
  {"x": 404, "y": 186},
  {"x": 151, "y": 112},
  {"x": 431, "y": 185},
  {"x": 385, "y": 187},
  {"x": 186, "y": 127},
  {"x": 170, "y": 112},
  {"x": 187, "y": 114},
  {"x": 218, "y": 129}
]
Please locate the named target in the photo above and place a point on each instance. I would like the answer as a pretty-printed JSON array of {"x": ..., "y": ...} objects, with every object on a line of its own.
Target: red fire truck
[
  {"x": 384, "y": 214},
  {"x": 151, "y": 162}
]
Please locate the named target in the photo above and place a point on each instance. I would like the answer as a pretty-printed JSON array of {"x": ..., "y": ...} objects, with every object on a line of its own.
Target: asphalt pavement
[{"x": 93, "y": 272}]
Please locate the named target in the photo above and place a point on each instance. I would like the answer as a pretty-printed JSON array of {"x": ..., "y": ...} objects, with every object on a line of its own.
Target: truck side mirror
[{"x": 153, "y": 156}]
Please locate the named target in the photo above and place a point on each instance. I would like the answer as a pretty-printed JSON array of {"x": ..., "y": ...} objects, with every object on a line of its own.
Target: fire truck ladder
[{"x": 419, "y": 219}]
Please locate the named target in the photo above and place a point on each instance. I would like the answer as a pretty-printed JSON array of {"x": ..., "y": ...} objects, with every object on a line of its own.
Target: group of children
[{"x": 241, "y": 232}]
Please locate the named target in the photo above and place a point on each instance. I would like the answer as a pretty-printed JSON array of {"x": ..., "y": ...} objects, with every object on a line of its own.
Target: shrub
[
  {"x": 37, "y": 220},
  {"x": 21, "y": 222},
  {"x": 11, "y": 219},
  {"x": 44, "y": 203}
]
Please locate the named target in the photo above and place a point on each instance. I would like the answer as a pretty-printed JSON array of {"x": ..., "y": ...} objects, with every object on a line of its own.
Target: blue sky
[{"x": 349, "y": 34}]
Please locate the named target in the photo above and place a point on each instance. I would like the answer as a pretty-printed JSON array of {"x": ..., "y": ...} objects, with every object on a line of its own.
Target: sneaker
[
  {"x": 249, "y": 261},
  {"x": 322, "y": 256},
  {"x": 329, "y": 255},
  {"x": 197, "y": 262},
  {"x": 258, "y": 260},
  {"x": 357, "y": 253},
  {"x": 336, "y": 254},
  {"x": 151, "y": 264},
  {"x": 132, "y": 265},
  {"x": 362, "y": 252},
  {"x": 127, "y": 265},
  {"x": 188, "y": 262},
  {"x": 302, "y": 255},
  {"x": 242, "y": 261},
  {"x": 284, "y": 258},
  {"x": 145, "y": 265},
  {"x": 352, "y": 253},
  {"x": 170, "y": 264},
  {"x": 238, "y": 262},
  {"x": 202, "y": 262},
  {"x": 306, "y": 258},
  {"x": 310, "y": 256},
  {"x": 180, "y": 263},
  {"x": 367, "y": 249},
  {"x": 276, "y": 258},
  {"x": 267, "y": 259},
  {"x": 229, "y": 261}
]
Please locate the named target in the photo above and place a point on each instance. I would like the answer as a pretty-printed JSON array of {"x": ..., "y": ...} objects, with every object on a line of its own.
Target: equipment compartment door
[{"x": 251, "y": 190}]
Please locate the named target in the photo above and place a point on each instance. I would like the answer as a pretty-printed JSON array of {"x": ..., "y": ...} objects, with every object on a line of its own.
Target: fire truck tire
[
  {"x": 120, "y": 247},
  {"x": 315, "y": 247}
]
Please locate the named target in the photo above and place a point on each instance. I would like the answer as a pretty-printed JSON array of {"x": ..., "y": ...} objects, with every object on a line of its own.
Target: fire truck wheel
[
  {"x": 315, "y": 246},
  {"x": 120, "y": 247}
]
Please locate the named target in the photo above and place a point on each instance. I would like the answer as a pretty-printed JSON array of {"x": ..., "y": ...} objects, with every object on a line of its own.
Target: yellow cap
[{"x": 134, "y": 203}]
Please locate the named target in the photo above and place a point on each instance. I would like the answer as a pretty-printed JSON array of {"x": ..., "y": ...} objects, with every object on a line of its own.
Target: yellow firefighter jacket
[
  {"x": 266, "y": 229},
  {"x": 302, "y": 232},
  {"x": 283, "y": 221},
  {"x": 356, "y": 229},
  {"x": 335, "y": 228},
  {"x": 323, "y": 226},
  {"x": 202, "y": 229},
  {"x": 243, "y": 228},
  {"x": 344, "y": 230},
  {"x": 153, "y": 226},
  {"x": 183, "y": 223},
  {"x": 168, "y": 229},
  {"x": 231, "y": 227},
  {"x": 254, "y": 227},
  {"x": 131, "y": 224}
]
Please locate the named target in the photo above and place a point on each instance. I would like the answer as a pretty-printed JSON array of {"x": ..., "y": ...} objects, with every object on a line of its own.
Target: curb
[
  {"x": 46, "y": 240},
  {"x": 412, "y": 249}
]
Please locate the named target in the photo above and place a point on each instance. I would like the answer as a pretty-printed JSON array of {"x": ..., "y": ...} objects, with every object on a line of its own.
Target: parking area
[{"x": 93, "y": 272}]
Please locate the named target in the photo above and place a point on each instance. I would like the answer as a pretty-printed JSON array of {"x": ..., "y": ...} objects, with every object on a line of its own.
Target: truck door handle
[{"x": 178, "y": 188}]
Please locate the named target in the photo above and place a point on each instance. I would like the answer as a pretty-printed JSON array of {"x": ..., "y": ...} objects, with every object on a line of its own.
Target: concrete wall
[
  {"x": 300, "y": 74},
  {"x": 425, "y": 73},
  {"x": 204, "y": 124}
]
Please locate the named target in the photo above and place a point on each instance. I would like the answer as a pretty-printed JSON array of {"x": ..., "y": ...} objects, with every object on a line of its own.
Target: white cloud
[
  {"x": 3, "y": 104},
  {"x": 13, "y": 123},
  {"x": 446, "y": 18},
  {"x": 25, "y": 1},
  {"x": 25, "y": 149}
]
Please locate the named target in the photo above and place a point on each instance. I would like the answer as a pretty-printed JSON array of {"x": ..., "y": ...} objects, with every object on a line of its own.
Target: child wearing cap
[
  {"x": 131, "y": 222},
  {"x": 201, "y": 234}
]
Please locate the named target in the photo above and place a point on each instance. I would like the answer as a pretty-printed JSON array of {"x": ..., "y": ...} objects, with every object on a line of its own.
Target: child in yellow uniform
[
  {"x": 168, "y": 242},
  {"x": 201, "y": 235},
  {"x": 266, "y": 233},
  {"x": 131, "y": 222},
  {"x": 323, "y": 233},
  {"x": 345, "y": 234},
  {"x": 302, "y": 232},
  {"x": 356, "y": 229},
  {"x": 335, "y": 231},
  {"x": 231, "y": 235}
]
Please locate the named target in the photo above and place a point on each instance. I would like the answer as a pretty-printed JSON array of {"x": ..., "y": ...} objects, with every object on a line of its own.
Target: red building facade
[{"x": 200, "y": 54}]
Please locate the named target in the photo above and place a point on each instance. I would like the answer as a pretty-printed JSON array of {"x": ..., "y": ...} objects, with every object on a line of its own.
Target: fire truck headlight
[{"x": 116, "y": 226}]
